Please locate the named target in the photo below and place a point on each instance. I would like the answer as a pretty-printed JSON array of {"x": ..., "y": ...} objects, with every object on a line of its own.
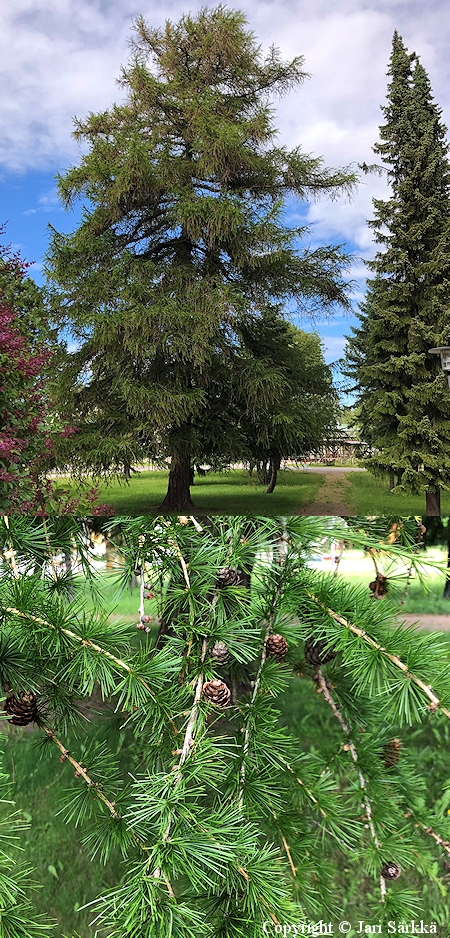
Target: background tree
[
  {"x": 224, "y": 819},
  {"x": 182, "y": 233},
  {"x": 32, "y": 435},
  {"x": 305, "y": 412},
  {"x": 404, "y": 401}
]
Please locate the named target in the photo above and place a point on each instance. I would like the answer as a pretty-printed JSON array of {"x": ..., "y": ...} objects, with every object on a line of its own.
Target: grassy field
[
  {"x": 235, "y": 493},
  {"x": 368, "y": 494},
  {"x": 232, "y": 492}
]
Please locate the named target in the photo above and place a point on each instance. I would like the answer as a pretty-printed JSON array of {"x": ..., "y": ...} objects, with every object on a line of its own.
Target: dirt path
[
  {"x": 330, "y": 498},
  {"x": 432, "y": 623}
]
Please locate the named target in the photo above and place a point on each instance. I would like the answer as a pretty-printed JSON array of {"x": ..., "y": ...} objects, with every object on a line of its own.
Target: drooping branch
[
  {"x": 81, "y": 772},
  {"x": 87, "y": 642},
  {"x": 282, "y": 556},
  {"x": 323, "y": 687},
  {"x": 435, "y": 703}
]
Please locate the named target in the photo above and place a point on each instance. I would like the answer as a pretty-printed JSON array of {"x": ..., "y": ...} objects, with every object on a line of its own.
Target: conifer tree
[
  {"x": 304, "y": 412},
  {"x": 182, "y": 235},
  {"x": 228, "y": 825},
  {"x": 404, "y": 400}
]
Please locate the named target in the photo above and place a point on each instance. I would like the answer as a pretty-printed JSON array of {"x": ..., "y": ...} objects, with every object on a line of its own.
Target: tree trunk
[
  {"x": 391, "y": 480},
  {"x": 263, "y": 472},
  {"x": 433, "y": 503},
  {"x": 274, "y": 466},
  {"x": 178, "y": 496}
]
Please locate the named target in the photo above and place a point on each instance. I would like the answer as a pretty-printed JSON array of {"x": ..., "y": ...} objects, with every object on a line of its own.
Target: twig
[
  {"x": 189, "y": 734},
  {"x": 338, "y": 559},
  {"x": 281, "y": 561},
  {"x": 82, "y": 772},
  {"x": 183, "y": 563},
  {"x": 308, "y": 792},
  {"x": 188, "y": 740},
  {"x": 435, "y": 703},
  {"x": 89, "y": 644},
  {"x": 429, "y": 830},
  {"x": 324, "y": 688}
]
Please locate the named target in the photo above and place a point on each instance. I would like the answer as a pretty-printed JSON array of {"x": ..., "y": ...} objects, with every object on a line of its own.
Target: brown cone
[
  {"x": 391, "y": 752},
  {"x": 276, "y": 647},
  {"x": 230, "y": 576},
  {"x": 390, "y": 870},
  {"x": 379, "y": 586},
  {"x": 220, "y": 653},
  {"x": 217, "y": 693},
  {"x": 316, "y": 652},
  {"x": 22, "y": 708}
]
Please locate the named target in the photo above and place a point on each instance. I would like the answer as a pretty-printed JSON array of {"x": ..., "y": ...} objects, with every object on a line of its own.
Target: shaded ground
[{"x": 331, "y": 497}]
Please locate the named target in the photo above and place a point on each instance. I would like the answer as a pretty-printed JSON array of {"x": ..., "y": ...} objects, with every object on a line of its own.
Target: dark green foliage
[
  {"x": 213, "y": 809},
  {"x": 403, "y": 397},
  {"x": 304, "y": 411},
  {"x": 182, "y": 242}
]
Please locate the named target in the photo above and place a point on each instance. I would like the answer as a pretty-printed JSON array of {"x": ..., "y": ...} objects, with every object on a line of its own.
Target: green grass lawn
[
  {"x": 232, "y": 493},
  {"x": 368, "y": 495},
  {"x": 235, "y": 493}
]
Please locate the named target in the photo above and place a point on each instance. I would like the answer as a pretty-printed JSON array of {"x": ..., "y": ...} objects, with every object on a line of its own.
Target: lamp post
[{"x": 444, "y": 352}]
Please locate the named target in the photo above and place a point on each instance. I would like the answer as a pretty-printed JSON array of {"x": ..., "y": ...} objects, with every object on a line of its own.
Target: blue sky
[{"x": 60, "y": 58}]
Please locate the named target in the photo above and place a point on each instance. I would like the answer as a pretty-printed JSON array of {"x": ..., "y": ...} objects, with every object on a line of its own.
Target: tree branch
[
  {"x": 323, "y": 687},
  {"x": 435, "y": 703},
  {"x": 10, "y": 610}
]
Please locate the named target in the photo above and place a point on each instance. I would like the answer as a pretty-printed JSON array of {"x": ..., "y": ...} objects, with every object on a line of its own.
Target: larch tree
[
  {"x": 403, "y": 397},
  {"x": 183, "y": 233}
]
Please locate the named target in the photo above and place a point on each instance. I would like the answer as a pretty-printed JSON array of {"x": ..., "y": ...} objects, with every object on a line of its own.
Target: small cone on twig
[
  {"x": 379, "y": 586},
  {"x": 276, "y": 647},
  {"x": 22, "y": 708},
  {"x": 217, "y": 693},
  {"x": 317, "y": 653},
  {"x": 230, "y": 576},
  {"x": 390, "y": 870},
  {"x": 220, "y": 653},
  {"x": 391, "y": 752}
]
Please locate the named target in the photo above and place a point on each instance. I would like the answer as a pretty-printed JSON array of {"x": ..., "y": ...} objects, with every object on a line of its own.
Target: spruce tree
[
  {"x": 404, "y": 400},
  {"x": 182, "y": 235},
  {"x": 228, "y": 824}
]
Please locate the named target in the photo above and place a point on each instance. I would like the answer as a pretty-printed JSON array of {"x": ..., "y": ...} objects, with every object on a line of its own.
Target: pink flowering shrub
[{"x": 28, "y": 428}]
